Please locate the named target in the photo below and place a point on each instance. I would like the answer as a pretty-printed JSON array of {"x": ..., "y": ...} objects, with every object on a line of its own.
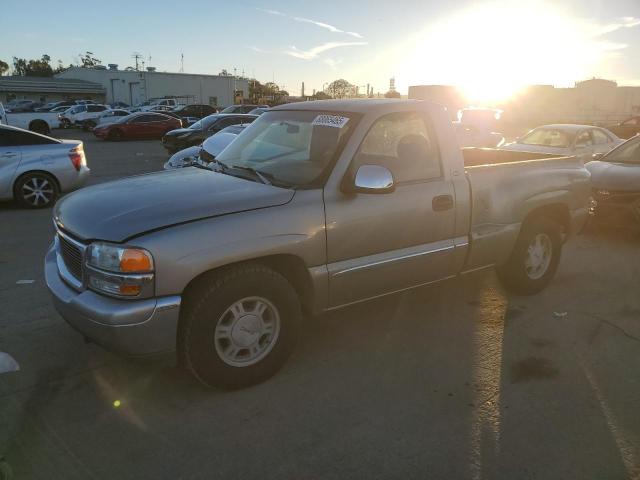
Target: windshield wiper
[{"x": 261, "y": 176}]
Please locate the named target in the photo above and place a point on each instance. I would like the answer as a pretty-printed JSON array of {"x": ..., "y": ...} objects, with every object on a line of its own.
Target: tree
[
  {"x": 33, "y": 68},
  {"x": 392, "y": 94},
  {"x": 340, "y": 88},
  {"x": 88, "y": 60},
  {"x": 224, "y": 73},
  {"x": 19, "y": 66},
  {"x": 4, "y": 67},
  {"x": 321, "y": 96}
]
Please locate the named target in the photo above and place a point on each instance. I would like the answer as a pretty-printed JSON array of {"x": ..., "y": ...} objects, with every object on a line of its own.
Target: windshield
[
  {"x": 628, "y": 152},
  {"x": 292, "y": 147},
  {"x": 547, "y": 137},
  {"x": 204, "y": 123}
]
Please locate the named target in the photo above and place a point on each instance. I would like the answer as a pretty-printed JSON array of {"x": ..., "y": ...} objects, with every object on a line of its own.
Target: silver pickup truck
[{"x": 315, "y": 206}]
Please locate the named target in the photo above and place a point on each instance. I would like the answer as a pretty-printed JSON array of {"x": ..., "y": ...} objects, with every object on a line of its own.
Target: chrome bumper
[{"x": 131, "y": 327}]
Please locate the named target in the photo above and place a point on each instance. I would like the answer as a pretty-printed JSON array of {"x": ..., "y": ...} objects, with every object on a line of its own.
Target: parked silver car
[
  {"x": 208, "y": 151},
  {"x": 35, "y": 169}
]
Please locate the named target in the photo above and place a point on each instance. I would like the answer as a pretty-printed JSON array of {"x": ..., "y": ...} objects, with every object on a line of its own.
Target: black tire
[
  {"x": 88, "y": 125},
  {"x": 36, "y": 190},
  {"x": 514, "y": 275},
  {"x": 115, "y": 135},
  {"x": 205, "y": 308},
  {"x": 39, "y": 126}
]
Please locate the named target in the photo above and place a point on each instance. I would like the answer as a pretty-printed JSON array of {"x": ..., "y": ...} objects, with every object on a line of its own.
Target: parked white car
[
  {"x": 160, "y": 102},
  {"x": 581, "y": 141},
  {"x": 207, "y": 152},
  {"x": 35, "y": 169},
  {"x": 39, "y": 122},
  {"x": 109, "y": 116}
]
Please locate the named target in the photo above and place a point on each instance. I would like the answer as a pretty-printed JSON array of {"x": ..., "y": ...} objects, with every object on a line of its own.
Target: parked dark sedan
[
  {"x": 137, "y": 125},
  {"x": 626, "y": 129},
  {"x": 194, "y": 111},
  {"x": 616, "y": 184},
  {"x": 202, "y": 129}
]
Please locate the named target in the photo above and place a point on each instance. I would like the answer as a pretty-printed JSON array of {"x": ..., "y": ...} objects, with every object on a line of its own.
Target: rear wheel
[
  {"x": 239, "y": 326},
  {"x": 39, "y": 126},
  {"x": 88, "y": 125},
  {"x": 36, "y": 190},
  {"x": 535, "y": 257}
]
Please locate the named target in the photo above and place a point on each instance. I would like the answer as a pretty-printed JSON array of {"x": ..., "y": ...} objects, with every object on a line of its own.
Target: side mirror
[
  {"x": 372, "y": 179},
  {"x": 597, "y": 156}
]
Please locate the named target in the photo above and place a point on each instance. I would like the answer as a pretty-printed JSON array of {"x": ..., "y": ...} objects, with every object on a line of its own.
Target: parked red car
[{"x": 137, "y": 125}]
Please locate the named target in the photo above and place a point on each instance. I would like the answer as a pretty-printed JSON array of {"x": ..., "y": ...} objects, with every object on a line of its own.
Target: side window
[
  {"x": 18, "y": 138},
  {"x": 5, "y": 140},
  {"x": 247, "y": 120},
  {"x": 599, "y": 137},
  {"x": 402, "y": 143},
  {"x": 584, "y": 139}
]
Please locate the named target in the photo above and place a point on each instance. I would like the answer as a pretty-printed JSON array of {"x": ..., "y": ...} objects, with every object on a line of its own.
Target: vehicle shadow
[{"x": 445, "y": 381}]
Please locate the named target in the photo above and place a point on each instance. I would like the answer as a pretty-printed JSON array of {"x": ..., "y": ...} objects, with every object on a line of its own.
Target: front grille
[{"x": 72, "y": 257}]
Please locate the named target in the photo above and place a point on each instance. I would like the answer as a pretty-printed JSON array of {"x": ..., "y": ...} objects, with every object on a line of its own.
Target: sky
[{"x": 486, "y": 47}]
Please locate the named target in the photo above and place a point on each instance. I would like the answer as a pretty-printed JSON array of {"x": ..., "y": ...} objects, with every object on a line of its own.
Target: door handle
[{"x": 442, "y": 202}]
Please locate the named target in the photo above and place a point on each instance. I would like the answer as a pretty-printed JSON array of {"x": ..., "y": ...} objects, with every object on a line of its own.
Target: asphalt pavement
[{"x": 454, "y": 381}]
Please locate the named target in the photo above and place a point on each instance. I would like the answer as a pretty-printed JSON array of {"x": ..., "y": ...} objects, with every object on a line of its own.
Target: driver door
[{"x": 380, "y": 243}]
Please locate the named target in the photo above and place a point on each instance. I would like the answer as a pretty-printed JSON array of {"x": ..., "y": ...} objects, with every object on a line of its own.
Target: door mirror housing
[
  {"x": 371, "y": 179},
  {"x": 597, "y": 156}
]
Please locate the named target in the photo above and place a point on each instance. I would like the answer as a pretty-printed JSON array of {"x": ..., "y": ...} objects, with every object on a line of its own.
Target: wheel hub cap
[
  {"x": 539, "y": 256},
  {"x": 37, "y": 191},
  {"x": 247, "y": 331}
]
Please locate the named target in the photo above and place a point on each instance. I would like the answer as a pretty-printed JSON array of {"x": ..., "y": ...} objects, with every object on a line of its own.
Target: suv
[
  {"x": 17, "y": 106},
  {"x": 195, "y": 110},
  {"x": 92, "y": 112}
]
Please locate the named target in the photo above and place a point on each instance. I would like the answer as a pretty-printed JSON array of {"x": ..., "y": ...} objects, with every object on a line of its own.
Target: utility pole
[
  {"x": 182, "y": 63},
  {"x": 302, "y": 93},
  {"x": 137, "y": 57}
]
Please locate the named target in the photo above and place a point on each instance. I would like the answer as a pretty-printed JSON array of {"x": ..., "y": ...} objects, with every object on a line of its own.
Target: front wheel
[
  {"x": 238, "y": 326},
  {"x": 535, "y": 257}
]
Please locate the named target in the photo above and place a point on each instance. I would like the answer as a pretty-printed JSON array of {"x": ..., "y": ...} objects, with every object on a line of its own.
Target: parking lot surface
[{"x": 455, "y": 381}]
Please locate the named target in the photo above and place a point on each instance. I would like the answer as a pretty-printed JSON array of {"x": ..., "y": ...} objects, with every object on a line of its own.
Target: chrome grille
[{"x": 72, "y": 256}]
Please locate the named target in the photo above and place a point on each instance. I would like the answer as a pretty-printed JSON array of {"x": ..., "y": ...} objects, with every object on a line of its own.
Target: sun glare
[{"x": 492, "y": 50}]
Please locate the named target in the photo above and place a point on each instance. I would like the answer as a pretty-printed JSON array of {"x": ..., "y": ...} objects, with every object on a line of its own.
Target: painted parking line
[
  {"x": 24, "y": 282},
  {"x": 7, "y": 363}
]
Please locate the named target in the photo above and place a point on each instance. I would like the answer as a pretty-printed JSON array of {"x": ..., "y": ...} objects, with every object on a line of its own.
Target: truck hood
[
  {"x": 622, "y": 177},
  {"x": 116, "y": 211}
]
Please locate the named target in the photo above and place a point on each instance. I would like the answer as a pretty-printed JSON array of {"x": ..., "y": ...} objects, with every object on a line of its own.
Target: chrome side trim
[
  {"x": 390, "y": 293},
  {"x": 390, "y": 260}
]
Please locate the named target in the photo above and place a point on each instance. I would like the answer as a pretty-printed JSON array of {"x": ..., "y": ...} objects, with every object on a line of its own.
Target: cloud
[
  {"x": 315, "y": 51},
  {"x": 326, "y": 26},
  {"x": 624, "y": 22},
  {"x": 271, "y": 12},
  {"x": 257, "y": 49}
]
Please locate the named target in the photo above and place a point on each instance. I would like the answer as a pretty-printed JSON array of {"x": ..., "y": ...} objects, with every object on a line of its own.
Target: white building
[{"x": 134, "y": 87}]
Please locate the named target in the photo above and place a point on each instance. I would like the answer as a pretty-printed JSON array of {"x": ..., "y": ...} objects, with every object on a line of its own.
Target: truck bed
[
  {"x": 474, "y": 157},
  {"x": 504, "y": 186}
]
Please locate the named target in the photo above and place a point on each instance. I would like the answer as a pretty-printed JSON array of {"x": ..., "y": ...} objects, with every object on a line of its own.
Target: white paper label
[{"x": 330, "y": 121}]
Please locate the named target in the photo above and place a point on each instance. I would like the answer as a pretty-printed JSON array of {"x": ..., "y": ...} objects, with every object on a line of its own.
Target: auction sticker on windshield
[{"x": 330, "y": 121}]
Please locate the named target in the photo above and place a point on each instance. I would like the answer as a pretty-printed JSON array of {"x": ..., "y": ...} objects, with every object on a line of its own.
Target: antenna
[{"x": 137, "y": 56}]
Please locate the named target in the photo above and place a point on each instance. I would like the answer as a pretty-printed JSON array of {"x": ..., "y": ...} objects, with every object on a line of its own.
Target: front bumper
[
  {"x": 617, "y": 208},
  {"x": 131, "y": 327}
]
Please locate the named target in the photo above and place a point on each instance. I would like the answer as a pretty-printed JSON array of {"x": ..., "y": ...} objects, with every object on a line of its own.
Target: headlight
[{"x": 120, "y": 271}]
